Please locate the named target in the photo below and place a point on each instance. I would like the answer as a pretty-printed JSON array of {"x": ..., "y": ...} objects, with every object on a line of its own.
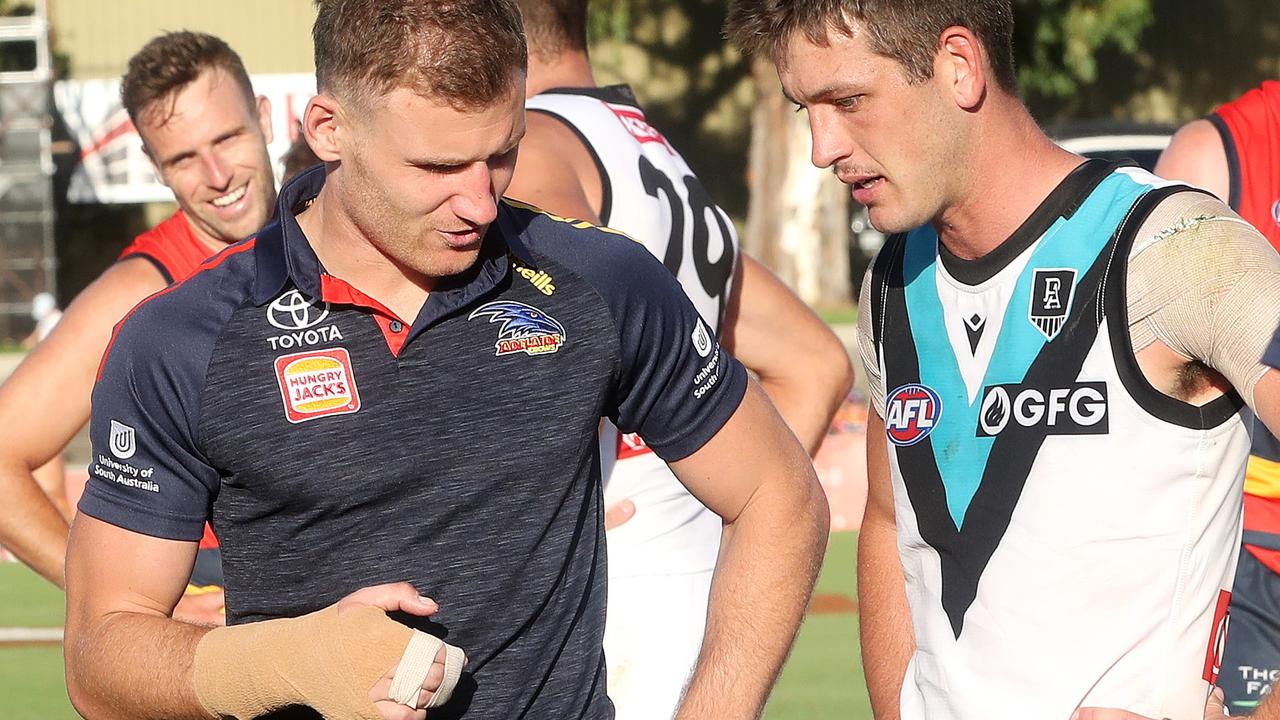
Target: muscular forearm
[
  {"x": 807, "y": 403},
  {"x": 131, "y": 665},
  {"x": 768, "y": 563},
  {"x": 31, "y": 526},
  {"x": 887, "y": 640}
]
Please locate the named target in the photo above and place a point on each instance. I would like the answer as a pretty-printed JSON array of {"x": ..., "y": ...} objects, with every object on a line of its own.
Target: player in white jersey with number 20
[{"x": 591, "y": 154}]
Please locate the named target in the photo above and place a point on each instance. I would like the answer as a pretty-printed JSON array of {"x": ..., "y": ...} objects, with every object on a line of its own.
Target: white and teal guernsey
[{"x": 1066, "y": 529}]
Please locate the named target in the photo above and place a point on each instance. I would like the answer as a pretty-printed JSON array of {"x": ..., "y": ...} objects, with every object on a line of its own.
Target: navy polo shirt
[{"x": 334, "y": 446}]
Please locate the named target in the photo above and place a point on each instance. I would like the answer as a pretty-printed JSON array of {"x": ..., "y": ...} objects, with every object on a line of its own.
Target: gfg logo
[
  {"x": 1079, "y": 409},
  {"x": 911, "y": 413}
]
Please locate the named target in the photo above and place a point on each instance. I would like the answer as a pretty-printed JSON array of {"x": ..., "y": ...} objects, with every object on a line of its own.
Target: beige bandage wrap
[
  {"x": 327, "y": 660},
  {"x": 416, "y": 663},
  {"x": 1206, "y": 284}
]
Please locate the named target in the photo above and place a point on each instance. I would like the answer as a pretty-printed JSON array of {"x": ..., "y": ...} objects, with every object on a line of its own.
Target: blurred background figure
[
  {"x": 590, "y": 153},
  {"x": 299, "y": 157}
]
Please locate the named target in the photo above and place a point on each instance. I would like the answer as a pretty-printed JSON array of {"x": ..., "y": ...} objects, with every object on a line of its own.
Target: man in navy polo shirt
[{"x": 394, "y": 389}]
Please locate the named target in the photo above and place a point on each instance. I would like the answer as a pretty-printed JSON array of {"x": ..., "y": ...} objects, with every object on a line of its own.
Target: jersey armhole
[
  {"x": 1233, "y": 160},
  {"x": 880, "y": 272},
  {"x": 1115, "y": 300},
  {"x": 606, "y": 189},
  {"x": 164, "y": 272}
]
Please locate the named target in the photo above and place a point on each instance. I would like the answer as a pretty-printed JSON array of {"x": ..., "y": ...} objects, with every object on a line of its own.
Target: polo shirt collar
[{"x": 284, "y": 255}]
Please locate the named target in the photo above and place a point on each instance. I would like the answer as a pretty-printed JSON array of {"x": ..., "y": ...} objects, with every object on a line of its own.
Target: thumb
[
  {"x": 1216, "y": 707},
  {"x": 391, "y": 597},
  {"x": 618, "y": 514}
]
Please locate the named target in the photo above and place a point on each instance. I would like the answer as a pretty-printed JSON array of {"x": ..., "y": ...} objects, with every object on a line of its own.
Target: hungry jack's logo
[
  {"x": 525, "y": 329},
  {"x": 317, "y": 383}
]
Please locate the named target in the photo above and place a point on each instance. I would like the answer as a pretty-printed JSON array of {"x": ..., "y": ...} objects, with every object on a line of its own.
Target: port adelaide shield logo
[{"x": 1051, "y": 294}]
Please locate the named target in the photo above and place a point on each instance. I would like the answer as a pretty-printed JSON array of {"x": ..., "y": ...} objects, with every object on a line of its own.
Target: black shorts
[{"x": 1251, "y": 662}]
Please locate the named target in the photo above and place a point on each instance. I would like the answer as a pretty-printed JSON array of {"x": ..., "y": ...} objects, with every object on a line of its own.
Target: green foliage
[{"x": 1057, "y": 42}]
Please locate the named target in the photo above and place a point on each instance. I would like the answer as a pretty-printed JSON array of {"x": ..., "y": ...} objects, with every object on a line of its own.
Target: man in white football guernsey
[
  {"x": 591, "y": 154},
  {"x": 1058, "y": 352}
]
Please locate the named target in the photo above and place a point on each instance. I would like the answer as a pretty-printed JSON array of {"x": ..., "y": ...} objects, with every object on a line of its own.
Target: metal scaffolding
[{"x": 27, "y": 254}]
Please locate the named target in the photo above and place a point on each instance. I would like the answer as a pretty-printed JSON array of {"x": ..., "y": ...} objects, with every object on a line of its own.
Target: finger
[
  {"x": 618, "y": 514},
  {"x": 391, "y": 597},
  {"x": 435, "y": 675},
  {"x": 391, "y": 710},
  {"x": 1216, "y": 708}
]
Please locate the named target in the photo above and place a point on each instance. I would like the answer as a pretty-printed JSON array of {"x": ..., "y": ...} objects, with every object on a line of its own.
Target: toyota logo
[{"x": 292, "y": 311}]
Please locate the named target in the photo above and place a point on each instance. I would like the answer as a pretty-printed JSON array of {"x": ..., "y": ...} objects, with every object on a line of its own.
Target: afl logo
[
  {"x": 911, "y": 413},
  {"x": 1275, "y": 212}
]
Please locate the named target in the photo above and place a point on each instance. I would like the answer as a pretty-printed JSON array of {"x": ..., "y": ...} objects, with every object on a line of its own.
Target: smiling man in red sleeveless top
[{"x": 190, "y": 98}]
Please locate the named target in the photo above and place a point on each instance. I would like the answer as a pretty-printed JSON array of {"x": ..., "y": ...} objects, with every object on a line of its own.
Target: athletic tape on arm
[
  {"x": 1207, "y": 284},
  {"x": 415, "y": 664},
  {"x": 327, "y": 660}
]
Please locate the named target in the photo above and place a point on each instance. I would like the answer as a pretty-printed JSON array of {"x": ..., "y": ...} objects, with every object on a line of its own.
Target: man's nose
[
  {"x": 217, "y": 170},
  {"x": 474, "y": 200}
]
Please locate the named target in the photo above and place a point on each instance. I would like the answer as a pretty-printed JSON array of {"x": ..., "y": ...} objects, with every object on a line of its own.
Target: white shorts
[{"x": 652, "y": 636}]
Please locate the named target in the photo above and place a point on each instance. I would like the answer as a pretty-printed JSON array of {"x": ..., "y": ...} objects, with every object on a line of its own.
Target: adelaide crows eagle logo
[{"x": 524, "y": 328}]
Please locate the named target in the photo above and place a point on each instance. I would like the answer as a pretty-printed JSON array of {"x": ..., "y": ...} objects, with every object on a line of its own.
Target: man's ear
[
  {"x": 962, "y": 62},
  {"x": 264, "y": 119},
  {"x": 323, "y": 124}
]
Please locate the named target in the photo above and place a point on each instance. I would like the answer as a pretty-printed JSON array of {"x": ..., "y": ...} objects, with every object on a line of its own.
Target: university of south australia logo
[
  {"x": 524, "y": 329},
  {"x": 123, "y": 441},
  {"x": 1051, "y": 291},
  {"x": 910, "y": 413}
]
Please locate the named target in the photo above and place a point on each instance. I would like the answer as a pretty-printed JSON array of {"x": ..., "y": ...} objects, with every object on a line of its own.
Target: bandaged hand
[{"x": 341, "y": 661}]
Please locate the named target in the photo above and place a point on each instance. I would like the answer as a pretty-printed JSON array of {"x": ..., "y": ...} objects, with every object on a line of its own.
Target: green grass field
[{"x": 822, "y": 680}]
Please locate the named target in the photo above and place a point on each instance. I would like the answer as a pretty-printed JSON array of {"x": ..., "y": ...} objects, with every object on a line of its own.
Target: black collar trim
[{"x": 1063, "y": 202}]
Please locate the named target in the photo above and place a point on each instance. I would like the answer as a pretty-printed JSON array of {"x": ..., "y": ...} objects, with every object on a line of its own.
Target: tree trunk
[{"x": 798, "y": 220}]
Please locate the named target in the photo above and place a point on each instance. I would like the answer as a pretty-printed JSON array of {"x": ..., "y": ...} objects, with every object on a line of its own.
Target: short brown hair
[
  {"x": 554, "y": 26},
  {"x": 462, "y": 51},
  {"x": 907, "y": 31},
  {"x": 172, "y": 61}
]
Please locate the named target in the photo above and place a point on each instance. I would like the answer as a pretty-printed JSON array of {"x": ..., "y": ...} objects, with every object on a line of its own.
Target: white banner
[{"x": 114, "y": 168}]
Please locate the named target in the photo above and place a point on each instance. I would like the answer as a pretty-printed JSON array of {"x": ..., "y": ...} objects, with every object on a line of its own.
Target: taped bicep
[{"x": 1206, "y": 284}]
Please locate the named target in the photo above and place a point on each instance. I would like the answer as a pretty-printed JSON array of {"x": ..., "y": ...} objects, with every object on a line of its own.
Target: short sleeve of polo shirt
[
  {"x": 147, "y": 474},
  {"x": 676, "y": 386}
]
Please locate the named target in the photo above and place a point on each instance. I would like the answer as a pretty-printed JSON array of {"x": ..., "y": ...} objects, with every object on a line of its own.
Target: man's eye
[{"x": 848, "y": 103}]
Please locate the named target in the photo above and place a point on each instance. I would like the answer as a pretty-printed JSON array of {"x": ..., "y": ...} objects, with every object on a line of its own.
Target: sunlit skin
[
  {"x": 209, "y": 143},
  {"x": 413, "y": 185},
  {"x": 882, "y": 135}
]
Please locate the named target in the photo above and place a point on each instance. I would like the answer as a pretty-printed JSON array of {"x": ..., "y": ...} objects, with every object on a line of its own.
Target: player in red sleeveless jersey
[
  {"x": 190, "y": 99},
  {"x": 1235, "y": 154}
]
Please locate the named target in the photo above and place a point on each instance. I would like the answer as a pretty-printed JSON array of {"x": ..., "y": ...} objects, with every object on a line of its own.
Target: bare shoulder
[
  {"x": 90, "y": 317},
  {"x": 555, "y": 171},
  {"x": 1196, "y": 155}
]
